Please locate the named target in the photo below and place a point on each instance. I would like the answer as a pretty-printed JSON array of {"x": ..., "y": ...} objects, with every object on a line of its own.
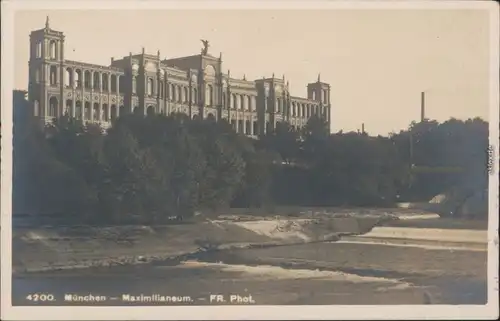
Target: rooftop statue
[{"x": 206, "y": 44}]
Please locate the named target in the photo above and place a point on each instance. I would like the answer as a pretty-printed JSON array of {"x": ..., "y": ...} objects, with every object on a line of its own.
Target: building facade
[{"x": 143, "y": 83}]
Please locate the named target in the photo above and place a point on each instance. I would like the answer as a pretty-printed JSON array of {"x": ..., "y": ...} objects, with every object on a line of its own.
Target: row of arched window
[
  {"x": 101, "y": 81},
  {"x": 52, "y": 49},
  {"x": 105, "y": 112},
  {"x": 174, "y": 92},
  {"x": 76, "y": 78},
  {"x": 82, "y": 111},
  {"x": 324, "y": 96},
  {"x": 298, "y": 109},
  {"x": 245, "y": 127},
  {"x": 240, "y": 101},
  {"x": 179, "y": 93},
  {"x": 305, "y": 110}
]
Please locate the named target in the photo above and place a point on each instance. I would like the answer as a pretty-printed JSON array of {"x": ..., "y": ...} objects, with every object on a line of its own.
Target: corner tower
[
  {"x": 46, "y": 72},
  {"x": 320, "y": 91}
]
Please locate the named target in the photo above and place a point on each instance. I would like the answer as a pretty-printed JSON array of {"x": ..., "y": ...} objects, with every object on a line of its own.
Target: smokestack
[
  {"x": 362, "y": 128},
  {"x": 422, "y": 106}
]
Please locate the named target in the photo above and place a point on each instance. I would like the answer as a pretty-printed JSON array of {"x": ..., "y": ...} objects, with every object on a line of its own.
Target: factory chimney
[{"x": 422, "y": 107}]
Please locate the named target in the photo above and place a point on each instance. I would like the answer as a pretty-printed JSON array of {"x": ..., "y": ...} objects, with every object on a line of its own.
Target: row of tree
[{"x": 149, "y": 169}]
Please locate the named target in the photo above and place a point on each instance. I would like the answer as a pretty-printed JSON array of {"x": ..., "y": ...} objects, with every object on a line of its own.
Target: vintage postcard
[{"x": 202, "y": 160}]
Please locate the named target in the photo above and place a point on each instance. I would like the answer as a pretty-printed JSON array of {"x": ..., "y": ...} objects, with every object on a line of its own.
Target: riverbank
[
  {"x": 53, "y": 248},
  {"x": 71, "y": 247}
]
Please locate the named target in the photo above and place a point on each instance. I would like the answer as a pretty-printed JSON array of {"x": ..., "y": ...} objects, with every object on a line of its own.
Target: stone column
[
  {"x": 157, "y": 92},
  {"x": 167, "y": 95},
  {"x": 190, "y": 94},
  {"x": 83, "y": 94},
  {"x": 101, "y": 110},
  {"x": 43, "y": 88},
  {"x": 108, "y": 102},
  {"x": 264, "y": 126},
  {"x": 62, "y": 104},
  {"x": 73, "y": 112},
  {"x": 91, "y": 96}
]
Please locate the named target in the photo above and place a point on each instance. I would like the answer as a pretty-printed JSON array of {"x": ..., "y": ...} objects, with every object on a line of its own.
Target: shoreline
[{"x": 63, "y": 248}]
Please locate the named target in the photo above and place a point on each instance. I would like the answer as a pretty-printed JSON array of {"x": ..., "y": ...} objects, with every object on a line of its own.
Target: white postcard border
[{"x": 241, "y": 312}]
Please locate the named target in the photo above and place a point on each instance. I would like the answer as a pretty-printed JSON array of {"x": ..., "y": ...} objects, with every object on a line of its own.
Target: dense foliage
[{"x": 150, "y": 169}]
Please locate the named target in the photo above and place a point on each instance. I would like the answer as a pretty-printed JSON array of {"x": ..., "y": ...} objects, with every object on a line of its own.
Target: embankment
[
  {"x": 52, "y": 248},
  {"x": 457, "y": 202}
]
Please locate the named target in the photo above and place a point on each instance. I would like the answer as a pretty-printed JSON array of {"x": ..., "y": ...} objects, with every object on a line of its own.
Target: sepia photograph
[{"x": 227, "y": 160}]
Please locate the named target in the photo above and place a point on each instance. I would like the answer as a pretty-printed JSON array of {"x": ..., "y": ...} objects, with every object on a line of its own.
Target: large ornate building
[{"x": 144, "y": 83}]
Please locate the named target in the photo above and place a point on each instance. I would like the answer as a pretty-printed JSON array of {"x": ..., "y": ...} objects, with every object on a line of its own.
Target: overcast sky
[{"x": 376, "y": 61}]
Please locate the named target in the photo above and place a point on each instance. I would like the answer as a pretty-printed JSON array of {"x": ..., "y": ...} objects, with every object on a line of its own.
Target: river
[{"x": 313, "y": 274}]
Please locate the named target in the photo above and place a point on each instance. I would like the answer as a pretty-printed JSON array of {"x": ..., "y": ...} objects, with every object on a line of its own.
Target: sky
[{"x": 376, "y": 61}]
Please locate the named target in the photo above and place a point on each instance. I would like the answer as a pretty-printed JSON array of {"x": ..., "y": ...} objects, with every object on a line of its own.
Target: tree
[
  {"x": 284, "y": 140},
  {"x": 149, "y": 169},
  {"x": 224, "y": 162},
  {"x": 446, "y": 154},
  {"x": 314, "y": 137}
]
